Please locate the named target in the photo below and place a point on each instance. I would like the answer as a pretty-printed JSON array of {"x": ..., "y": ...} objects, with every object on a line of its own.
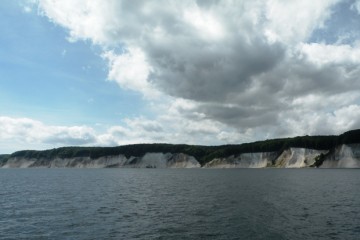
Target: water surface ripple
[{"x": 179, "y": 204}]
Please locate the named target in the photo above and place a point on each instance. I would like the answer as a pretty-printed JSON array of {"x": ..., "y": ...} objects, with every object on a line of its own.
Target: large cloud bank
[{"x": 223, "y": 71}]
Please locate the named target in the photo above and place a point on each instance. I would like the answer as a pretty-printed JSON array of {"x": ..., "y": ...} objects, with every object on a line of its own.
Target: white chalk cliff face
[
  {"x": 161, "y": 160},
  {"x": 343, "y": 156},
  {"x": 290, "y": 158},
  {"x": 245, "y": 160},
  {"x": 298, "y": 157},
  {"x": 19, "y": 162},
  {"x": 149, "y": 160}
]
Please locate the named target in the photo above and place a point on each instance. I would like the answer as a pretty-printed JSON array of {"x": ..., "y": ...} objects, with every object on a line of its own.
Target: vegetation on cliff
[{"x": 203, "y": 154}]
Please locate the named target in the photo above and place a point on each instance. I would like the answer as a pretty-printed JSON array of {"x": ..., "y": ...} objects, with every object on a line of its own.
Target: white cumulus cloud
[{"x": 221, "y": 71}]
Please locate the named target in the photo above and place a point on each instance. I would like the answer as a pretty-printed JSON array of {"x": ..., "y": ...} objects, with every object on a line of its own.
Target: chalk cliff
[
  {"x": 341, "y": 151},
  {"x": 149, "y": 160},
  {"x": 244, "y": 160},
  {"x": 343, "y": 156},
  {"x": 297, "y": 157}
]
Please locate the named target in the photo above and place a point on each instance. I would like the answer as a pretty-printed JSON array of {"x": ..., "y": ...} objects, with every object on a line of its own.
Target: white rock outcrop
[
  {"x": 298, "y": 157},
  {"x": 244, "y": 160},
  {"x": 149, "y": 160},
  {"x": 343, "y": 156}
]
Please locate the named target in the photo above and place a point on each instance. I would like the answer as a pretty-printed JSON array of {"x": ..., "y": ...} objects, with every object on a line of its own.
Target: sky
[{"x": 205, "y": 72}]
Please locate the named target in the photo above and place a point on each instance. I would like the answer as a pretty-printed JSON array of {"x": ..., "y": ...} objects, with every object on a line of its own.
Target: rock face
[
  {"x": 298, "y": 157},
  {"x": 149, "y": 160},
  {"x": 289, "y": 158},
  {"x": 343, "y": 156},
  {"x": 245, "y": 160},
  {"x": 18, "y": 163}
]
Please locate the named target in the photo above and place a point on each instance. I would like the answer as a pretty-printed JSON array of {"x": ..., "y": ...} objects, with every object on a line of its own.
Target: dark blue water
[{"x": 179, "y": 204}]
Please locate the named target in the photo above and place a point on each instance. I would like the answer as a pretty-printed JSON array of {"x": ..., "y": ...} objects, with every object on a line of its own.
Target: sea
[{"x": 180, "y": 204}]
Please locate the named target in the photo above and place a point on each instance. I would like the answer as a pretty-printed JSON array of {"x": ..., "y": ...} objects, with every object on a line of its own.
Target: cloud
[
  {"x": 131, "y": 71},
  {"x": 29, "y": 130},
  {"x": 76, "y": 135},
  {"x": 33, "y": 134},
  {"x": 356, "y": 6},
  {"x": 223, "y": 70},
  {"x": 303, "y": 122}
]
